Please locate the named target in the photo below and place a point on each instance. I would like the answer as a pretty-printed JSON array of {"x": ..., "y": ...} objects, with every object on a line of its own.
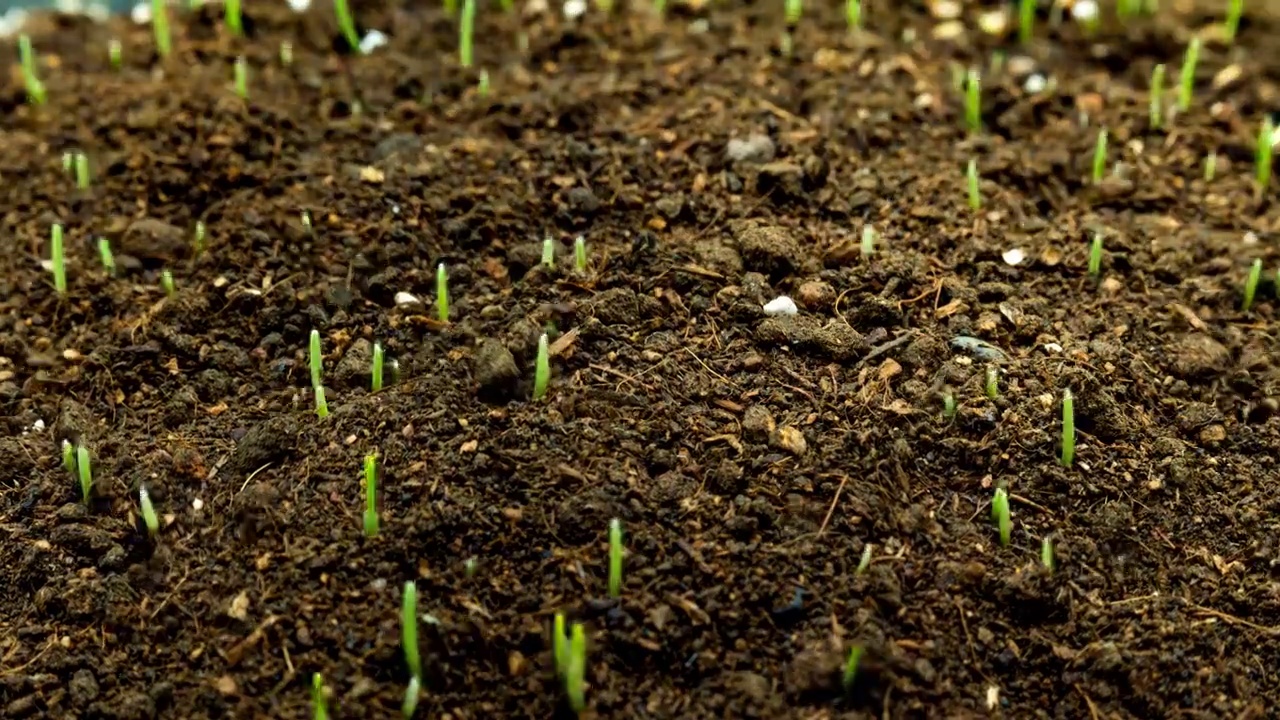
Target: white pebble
[
  {"x": 1035, "y": 83},
  {"x": 574, "y": 9},
  {"x": 299, "y": 5},
  {"x": 1014, "y": 256},
  {"x": 141, "y": 13},
  {"x": 1085, "y": 11},
  {"x": 781, "y": 305},
  {"x": 197, "y": 504},
  {"x": 372, "y": 41}
]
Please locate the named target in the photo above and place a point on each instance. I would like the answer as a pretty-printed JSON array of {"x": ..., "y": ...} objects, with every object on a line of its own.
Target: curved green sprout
[
  {"x": 1187, "y": 77},
  {"x": 575, "y": 668},
  {"x": 1251, "y": 285},
  {"x": 864, "y": 562},
  {"x": 851, "y": 668},
  {"x": 35, "y": 89}
]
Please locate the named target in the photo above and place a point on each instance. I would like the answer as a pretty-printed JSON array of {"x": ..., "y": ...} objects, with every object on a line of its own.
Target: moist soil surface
[{"x": 753, "y": 460}]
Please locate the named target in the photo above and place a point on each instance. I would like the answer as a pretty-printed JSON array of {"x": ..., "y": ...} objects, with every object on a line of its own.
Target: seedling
[
  {"x": 370, "y": 495},
  {"x": 35, "y": 89},
  {"x": 993, "y": 382},
  {"x": 69, "y": 456},
  {"x": 1251, "y": 285},
  {"x": 166, "y": 282},
  {"x": 851, "y": 668},
  {"x": 115, "y": 54},
  {"x": 59, "y": 260},
  {"x": 68, "y": 162},
  {"x": 548, "y": 252},
  {"x": 160, "y": 27},
  {"x": 1187, "y": 79},
  {"x": 346, "y": 24},
  {"x": 1100, "y": 157},
  {"x": 559, "y": 644},
  {"x": 108, "y": 260},
  {"x": 450, "y": 7},
  {"x": 315, "y": 357},
  {"x": 1068, "y": 428},
  {"x": 409, "y": 630},
  {"x": 231, "y": 14},
  {"x": 853, "y": 14},
  {"x": 792, "y": 10},
  {"x": 286, "y": 53},
  {"x": 199, "y": 237},
  {"x": 322, "y": 406},
  {"x": 1266, "y": 148},
  {"x": 1210, "y": 166},
  {"x": 86, "y": 472},
  {"x": 975, "y": 194},
  {"x": 615, "y": 558},
  {"x": 1046, "y": 553},
  {"x": 1235, "y": 8},
  {"x": 1026, "y": 20},
  {"x": 1095, "y": 256},
  {"x": 241, "y": 78},
  {"x": 82, "y": 171},
  {"x": 482, "y": 84},
  {"x": 580, "y": 254},
  {"x": 1155, "y": 111},
  {"x": 869, "y": 238},
  {"x": 575, "y": 668},
  {"x": 466, "y": 30},
  {"x": 319, "y": 704},
  {"x": 541, "y": 369},
  {"x": 442, "y": 293},
  {"x": 148, "y": 511},
  {"x": 376, "y": 372},
  {"x": 1000, "y": 514},
  {"x": 411, "y": 693},
  {"x": 973, "y": 101},
  {"x": 469, "y": 567},
  {"x": 865, "y": 561},
  {"x": 948, "y": 404}
]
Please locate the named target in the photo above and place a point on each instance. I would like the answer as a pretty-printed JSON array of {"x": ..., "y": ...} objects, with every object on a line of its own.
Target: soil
[{"x": 752, "y": 459}]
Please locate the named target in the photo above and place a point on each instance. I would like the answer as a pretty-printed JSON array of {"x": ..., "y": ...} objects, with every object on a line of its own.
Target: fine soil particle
[{"x": 754, "y": 460}]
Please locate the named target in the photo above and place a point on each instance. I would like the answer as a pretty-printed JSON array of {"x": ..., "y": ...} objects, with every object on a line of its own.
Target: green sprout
[
  {"x": 315, "y": 357},
  {"x": 1266, "y": 148},
  {"x": 86, "y": 472},
  {"x": 322, "y": 406},
  {"x": 450, "y": 7},
  {"x": 541, "y": 369},
  {"x": 469, "y": 567},
  {"x": 1251, "y": 285},
  {"x": 346, "y": 24},
  {"x": 466, "y": 31},
  {"x": 371, "y": 495},
  {"x": 108, "y": 260},
  {"x": 59, "y": 259},
  {"x": 992, "y": 382},
  {"x": 853, "y": 14},
  {"x": 865, "y": 561},
  {"x": 1187, "y": 80},
  {"x": 615, "y": 558},
  {"x": 971, "y": 177},
  {"x": 869, "y": 239},
  {"x": 241, "y": 78},
  {"x": 286, "y": 53},
  {"x": 1155, "y": 110},
  {"x": 68, "y": 162},
  {"x": 411, "y": 693},
  {"x": 115, "y": 54},
  {"x": 69, "y": 456},
  {"x": 160, "y": 27},
  {"x": 319, "y": 705},
  {"x": 948, "y": 404},
  {"x": 482, "y": 84},
  {"x": 559, "y": 644},
  {"x": 1046, "y": 553},
  {"x": 409, "y": 630},
  {"x": 199, "y": 237},
  {"x": 792, "y": 10},
  {"x": 376, "y": 373},
  {"x": 1026, "y": 20},
  {"x": 580, "y": 253},
  {"x": 851, "y": 668},
  {"x": 1100, "y": 157},
  {"x": 35, "y": 89},
  {"x": 306, "y": 222},
  {"x": 548, "y": 252},
  {"x": 1068, "y": 428},
  {"x": 1095, "y": 256},
  {"x": 442, "y": 293},
  {"x": 659, "y": 7},
  {"x": 148, "y": 511},
  {"x": 231, "y": 14},
  {"x": 1235, "y": 8},
  {"x": 1210, "y": 166},
  {"x": 1000, "y": 514},
  {"x": 82, "y": 171},
  {"x": 576, "y": 667},
  {"x": 166, "y": 282},
  {"x": 973, "y": 101}
]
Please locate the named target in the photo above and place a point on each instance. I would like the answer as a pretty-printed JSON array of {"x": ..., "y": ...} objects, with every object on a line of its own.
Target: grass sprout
[
  {"x": 115, "y": 54},
  {"x": 108, "y": 259},
  {"x": 541, "y": 369},
  {"x": 869, "y": 239},
  {"x": 371, "y": 495},
  {"x": 1095, "y": 256},
  {"x": 850, "y": 674},
  {"x": 1251, "y": 285},
  {"x": 166, "y": 282},
  {"x": 442, "y": 293},
  {"x": 59, "y": 260},
  {"x": 82, "y": 171},
  {"x": 1000, "y": 514},
  {"x": 347, "y": 24},
  {"x": 865, "y": 561},
  {"x": 1210, "y": 166},
  {"x": 148, "y": 511},
  {"x": 409, "y": 630},
  {"x": 1187, "y": 78},
  {"x": 466, "y": 32},
  {"x": 1046, "y": 553},
  {"x": 411, "y": 693},
  {"x": 1100, "y": 157},
  {"x": 1068, "y": 428},
  {"x": 615, "y": 558},
  {"x": 1265, "y": 152},
  {"x": 992, "y": 384},
  {"x": 286, "y": 53},
  {"x": 231, "y": 15},
  {"x": 322, "y": 405},
  {"x": 35, "y": 89},
  {"x": 1026, "y": 20},
  {"x": 376, "y": 371},
  {"x": 792, "y": 10},
  {"x": 576, "y": 667},
  {"x": 482, "y": 84},
  {"x": 1155, "y": 108},
  {"x": 241, "y": 78},
  {"x": 85, "y": 471},
  {"x": 580, "y": 254},
  {"x": 548, "y": 252},
  {"x": 316, "y": 358},
  {"x": 199, "y": 237},
  {"x": 160, "y": 27},
  {"x": 853, "y": 14},
  {"x": 973, "y": 101},
  {"x": 559, "y": 644},
  {"x": 319, "y": 704},
  {"x": 69, "y": 456},
  {"x": 971, "y": 179},
  {"x": 1235, "y": 9},
  {"x": 948, "y": 404}
]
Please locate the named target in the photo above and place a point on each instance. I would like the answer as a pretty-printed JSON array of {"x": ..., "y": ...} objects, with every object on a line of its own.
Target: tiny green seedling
[
  {"x": 541, "y": 369},
  {"x": 1210, "y": 166},
  {"x": 466, "y": 32},
  {"x": 241, "y": 78},
  {"x": 115, "y": 54},
  {"x": 322, "y": 405},
  {"x": 86, "y": 473},
  {"x": 975, "y": 192},
  {"x": 347, "y": 25},
  {"x": 370, "y": 495},
  {"x": 1251, "y": 285},
  {"x": 792, "y": 10},
  {"x": 35, "y": 89},
  {"x": 450, "y": 7},
  {"x": 286, "y": 53},
  {"x": 199, "y": 237},
  {"x": 575, "y": 668},
  {"x": 1155, "y": 109},
  {"x": 59, "y": 260},
  {"x": 1068, "y": 428},
  {"x": 559, "y": 644},
  {"x": 1046, "y": 553},
  {"x": 1100, "y": 157},
  {"x": 1265, "y": 152},
  {"x": 1235, "y": 9},
  {"x": 482, "y": 84},
  {"x": 166, "y": 282},
  {"x": 149, "y": 517},
  {"x": 850, "y": 675},
  {"x": 992, "y": 384},
  {"x": 869, "y": 239},
  {"x": 1026, "y": 20},
  {"x": 160, "y": 27},
  {"x": 580, "y": 254},
  {"x": 376, "y": 371},
  {"x": 973, "y": 101},
  {"x": 305, "y": 218},
  {"x": 1000, "y": 514},
  {"x": 68, "y": 162},
  {"x": 411, "y": 693},
  {"x": 231, "y": 15},
  {"x": 442, "y": 293},
  {"x": 853, "y": 14},
  {"x": 82, "y": 171},
  {"x": 409, "y": 630},
  {"x": 315, "y": 358},
  {"x": 548, "y": 252},
  {"x": 470, "y": 567},
  {"x": 948, "y": 404},
  {"x": 864, "y": 562},
  {"x": 108, "y": 259},
  {"x": 1187, "y": 78},
  {"x": 615, "y": 558},
  {"x": 69, "y": 456},
  {"x": 1095, "y": 256},
  {"x": 319, "y": 704}
]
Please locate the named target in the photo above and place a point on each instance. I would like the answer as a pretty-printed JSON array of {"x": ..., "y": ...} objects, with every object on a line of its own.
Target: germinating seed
[
  {"x": 35, "y": 89},
  {"x": 1210, "y": 166},
  {"x": 409, "y": 629},
  {"x": 865, "y": 561},
  {"x": 69, "y": 456},
  {"x": 1068, "y": 429},
  {"x": 482, "y": 84},
  {"x": 231, "y": 14},
  {"x": 319, "y": 704},
  {"x": 242, "y": 78},
  {"x": 166, "y": 282},
  {"x": 576, "y": 667},
  {"x": 442, "y": 293},
  {"x": 82, "y": 171},
  {"x": 115, "y": 54},
  {"x": 1251, "y": 285},
  {"x": 199, "y": 237},
  {"x": 948, "y": 405},
  {"x": 973, "y": 101},
  {"x": 466, "y": 30},
  {"x": 559, "y": 644},
  {"x": 286, "y": 54},
  {"x": 548, "y": 252},
  {"x": 411, "y": 693},
  {"x": 542, "y": 369},
  {"x": 1000, "y": 514},
  {"x": 869, "y": 238},
  {"x": 1266, "y": 149}
]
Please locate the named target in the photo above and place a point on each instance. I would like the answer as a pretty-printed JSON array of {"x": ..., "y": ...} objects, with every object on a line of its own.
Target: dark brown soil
[{"x": 751, "y": 459}]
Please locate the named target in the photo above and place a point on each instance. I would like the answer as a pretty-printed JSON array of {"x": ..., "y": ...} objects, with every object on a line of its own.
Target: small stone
[
  {"x": 151, "y": 239},
  {"x": 756, "y": 149},
  {"x": 790, "y": 439},
  {"x": 1198, "y": 355},
  {"x": 1212, "y": 434},
  {"x": 781, "y": 305},
  {"x": 816, "y": 294},
  {"x": 757, "y": 423},
  {"x": 1014, "y": 256},
  {"x": 372, "y": 175},
  {"x": 355, "y": 366},
  {"x": 495, "y": 370},
  {"x": 409, "y": 302},
  {"x": 768, "y": 249}
]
